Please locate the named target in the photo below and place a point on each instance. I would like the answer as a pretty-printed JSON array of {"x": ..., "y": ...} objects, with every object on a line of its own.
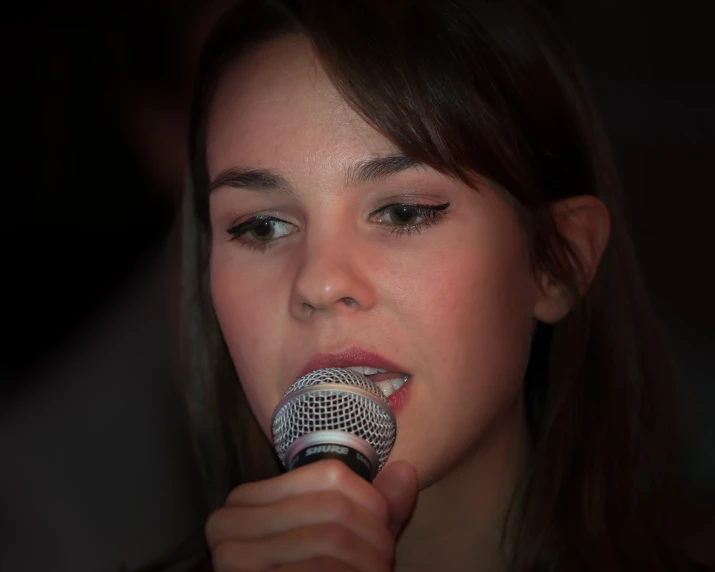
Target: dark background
[{"x": 93, "y": 442}]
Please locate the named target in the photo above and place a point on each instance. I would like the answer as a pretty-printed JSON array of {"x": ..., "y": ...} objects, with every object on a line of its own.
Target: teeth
[
  {"x": 390, "y": 386},
  {"x": 366, "y": 370}
]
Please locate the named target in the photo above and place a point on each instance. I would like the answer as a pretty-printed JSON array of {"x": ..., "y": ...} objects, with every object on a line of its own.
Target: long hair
[{"x": 487, "y": 87}]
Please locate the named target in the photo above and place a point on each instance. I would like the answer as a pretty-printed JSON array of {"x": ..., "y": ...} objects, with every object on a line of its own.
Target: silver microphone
[{"x": 334, "y": 414}]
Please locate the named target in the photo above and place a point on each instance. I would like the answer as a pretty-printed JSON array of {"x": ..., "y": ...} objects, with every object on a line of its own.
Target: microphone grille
[{"x": 334, "y": 399}]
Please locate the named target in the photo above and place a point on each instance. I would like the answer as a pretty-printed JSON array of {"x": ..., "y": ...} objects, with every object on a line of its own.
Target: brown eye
[
  {"x": 404, "y": 215},
  {"x": 262, "y": 230},
  {"x": 404, "y": 218}
]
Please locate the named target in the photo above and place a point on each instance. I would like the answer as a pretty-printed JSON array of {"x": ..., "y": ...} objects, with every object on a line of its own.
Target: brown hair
[{"x": 487, "y": 87}]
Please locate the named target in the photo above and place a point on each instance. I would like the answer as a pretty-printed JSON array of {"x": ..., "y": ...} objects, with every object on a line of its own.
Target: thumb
[{"x": 398, "y": 483}]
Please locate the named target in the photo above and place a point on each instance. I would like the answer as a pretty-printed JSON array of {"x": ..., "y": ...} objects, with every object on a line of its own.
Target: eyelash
[{"x": 431, "y": 215}]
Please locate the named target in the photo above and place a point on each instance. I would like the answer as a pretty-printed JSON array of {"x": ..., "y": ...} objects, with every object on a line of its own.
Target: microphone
[{"x": 334, "y": 413}]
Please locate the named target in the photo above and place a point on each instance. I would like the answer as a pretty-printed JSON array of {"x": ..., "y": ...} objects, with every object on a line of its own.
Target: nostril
[{"x": 349, "y": 301}]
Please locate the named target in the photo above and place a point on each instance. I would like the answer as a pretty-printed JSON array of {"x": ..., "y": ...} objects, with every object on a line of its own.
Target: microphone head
[{"x": 335, "y": 402}]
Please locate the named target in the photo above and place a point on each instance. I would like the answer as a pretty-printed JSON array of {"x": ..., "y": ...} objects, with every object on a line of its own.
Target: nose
[{"x": 334, "y": 277}]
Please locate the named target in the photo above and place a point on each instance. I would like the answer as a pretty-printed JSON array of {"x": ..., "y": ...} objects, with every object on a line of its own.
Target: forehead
[{"x": 276, "y": 107}]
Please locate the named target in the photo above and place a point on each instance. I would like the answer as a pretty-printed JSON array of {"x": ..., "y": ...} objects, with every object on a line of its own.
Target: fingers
[
  {"x": 299, "y": 546},
  {"x": 324, "y": 475},
  {"x": 322, "y": 514},
  {"x": 399, "y": 485},
  {"x": 255, "y": 522}
]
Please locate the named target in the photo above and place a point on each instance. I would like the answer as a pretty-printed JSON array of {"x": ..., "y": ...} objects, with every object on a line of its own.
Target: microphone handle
[{"x": 353, "y": 458}]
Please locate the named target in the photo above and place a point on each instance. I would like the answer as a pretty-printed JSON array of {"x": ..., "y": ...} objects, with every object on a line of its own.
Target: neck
[{"x": 459, "y": 521}]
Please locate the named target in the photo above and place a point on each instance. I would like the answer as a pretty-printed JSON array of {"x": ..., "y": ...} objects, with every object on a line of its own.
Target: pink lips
[
  {"x": 357, "y": 356},
  {"x": 348, "y": 357}
]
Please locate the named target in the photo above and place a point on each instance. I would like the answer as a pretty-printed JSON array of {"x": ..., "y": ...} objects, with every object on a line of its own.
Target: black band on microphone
[{"x": 355, "y": 460}]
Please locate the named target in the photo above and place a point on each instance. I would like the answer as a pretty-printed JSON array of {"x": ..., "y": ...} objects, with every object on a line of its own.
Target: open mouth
[{"x": 388, "y": 381}]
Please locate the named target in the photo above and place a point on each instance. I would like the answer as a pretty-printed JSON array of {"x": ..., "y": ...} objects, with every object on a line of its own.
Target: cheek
[
  {"x": 249, "y": 320},
  {"x": 470, "y": 319},
  {"x": 474, "y": 304},
  {"x": 237, "y": 311}
]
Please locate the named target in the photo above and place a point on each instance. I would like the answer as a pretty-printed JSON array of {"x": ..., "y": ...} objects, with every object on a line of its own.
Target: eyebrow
[
  {"x": 269, "y": 180},
  {"x": 378, "y": 169}
]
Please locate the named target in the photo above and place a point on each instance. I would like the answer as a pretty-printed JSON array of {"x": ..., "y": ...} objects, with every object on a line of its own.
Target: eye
[
  {"x": 408, "y": 217},
  {"x": 259, "y": 232}
]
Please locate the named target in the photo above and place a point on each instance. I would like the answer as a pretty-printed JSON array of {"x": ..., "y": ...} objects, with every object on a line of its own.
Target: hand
[{"x": 319, "y": 517}]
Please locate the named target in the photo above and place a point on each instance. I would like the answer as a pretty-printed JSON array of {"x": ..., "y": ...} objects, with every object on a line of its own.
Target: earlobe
[{"x": 585, "y": 224}]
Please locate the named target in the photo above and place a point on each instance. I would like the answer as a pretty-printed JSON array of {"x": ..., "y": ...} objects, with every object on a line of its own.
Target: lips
[
  {"x": 348, "y": 358},
  {"x": 387, "y": 375}
]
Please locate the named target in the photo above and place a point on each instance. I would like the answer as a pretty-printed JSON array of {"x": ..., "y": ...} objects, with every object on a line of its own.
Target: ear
[{"x": 585, "y": 223}]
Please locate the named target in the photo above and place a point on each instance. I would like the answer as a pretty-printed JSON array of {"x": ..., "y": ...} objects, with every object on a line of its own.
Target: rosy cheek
[
  {"x": 242, "y": 332},
  {"x": 241, "y": 325},
  {"x": 230, "y": 305}
]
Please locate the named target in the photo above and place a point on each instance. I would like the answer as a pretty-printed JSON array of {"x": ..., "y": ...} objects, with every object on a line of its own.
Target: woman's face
[{"x": 444, "y": 294}]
